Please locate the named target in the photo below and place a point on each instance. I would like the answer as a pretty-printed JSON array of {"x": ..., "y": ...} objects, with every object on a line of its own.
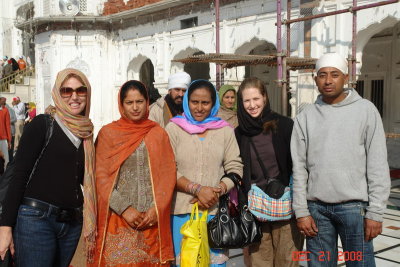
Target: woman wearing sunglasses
[
  {"x": 135, "y": 181},
  {"x": 45, "y": 210}
]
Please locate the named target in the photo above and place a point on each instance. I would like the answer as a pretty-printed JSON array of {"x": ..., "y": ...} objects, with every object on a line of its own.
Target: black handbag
[
  {"x": 233, "y": 231},
  {"x": 7, "y": 176}
]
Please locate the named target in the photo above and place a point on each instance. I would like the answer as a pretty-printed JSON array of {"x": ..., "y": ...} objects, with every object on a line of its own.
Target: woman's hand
[
  {"x": 201, "y": 205},
  {"x": 208, "y": 196},
  {"x": 223, "y": 187},
  {"x": 149, "y": 219},
  {"x": 6, "y": 241},
  {"x": 133, "y": 217}
]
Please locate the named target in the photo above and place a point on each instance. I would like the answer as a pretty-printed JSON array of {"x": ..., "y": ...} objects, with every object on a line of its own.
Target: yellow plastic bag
[{"x": 195, "y": 251}]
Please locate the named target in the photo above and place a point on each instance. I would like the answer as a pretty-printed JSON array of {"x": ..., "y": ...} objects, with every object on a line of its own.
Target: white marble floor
[{"x": 386, "y": 245}]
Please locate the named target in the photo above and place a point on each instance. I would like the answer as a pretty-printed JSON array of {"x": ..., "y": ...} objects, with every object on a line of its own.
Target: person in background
[
  {"x": 2, "y": 168},
  {"x": 21, "y": 63},
  {"x": 171, "y": 105},
  {"x": 5, "y": 130},
  {"x": 205, "y": 151},
  {"x": 340, "y": 169},
  {"x": 1, "y": 68},
  {"x": 15, "y": 66},
  {"x": 50, "y": 110},
  {"x": 154, "y": 95},
  {"x": 31, "y": 112},
  {"x": 227, "y": 111},
  {"x": 270, "y": 134},
  {"x": 5, "y": 62},
  {"x": 7, "y": 69},
  {"x": 26, "y": 111},
  {"x": 135, "y": 181},
  {"x": 13, "y": 119},
  {"x": 19, "y": 109}
]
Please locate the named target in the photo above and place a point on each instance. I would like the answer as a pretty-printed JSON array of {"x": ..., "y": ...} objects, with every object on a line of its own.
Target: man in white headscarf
[
  {"x": 341, "y": 176},
  {"x": 171, "y": 105}
]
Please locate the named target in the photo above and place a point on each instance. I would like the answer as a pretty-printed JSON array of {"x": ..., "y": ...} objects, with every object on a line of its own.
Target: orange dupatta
[{"x": 115, "y": 143}]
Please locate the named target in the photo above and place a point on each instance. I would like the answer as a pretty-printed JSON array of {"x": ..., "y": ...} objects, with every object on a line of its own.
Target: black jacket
[{"x": 281, "y": 142}]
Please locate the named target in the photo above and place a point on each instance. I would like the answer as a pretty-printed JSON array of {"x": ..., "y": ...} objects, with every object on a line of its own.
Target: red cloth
[
  {"x": 32, "y": 114},
  {"x": 21, "y": 64},
  {"x": 395, "y": 173},
  {"x": 5, "y": 126}
]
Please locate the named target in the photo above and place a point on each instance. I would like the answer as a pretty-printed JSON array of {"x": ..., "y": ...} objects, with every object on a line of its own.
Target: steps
[{"x": 26, "y": 90}]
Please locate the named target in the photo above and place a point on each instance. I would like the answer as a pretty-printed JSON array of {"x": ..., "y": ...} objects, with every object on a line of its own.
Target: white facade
[
  {"x": 110, "y": 57},
  {"x": 10, "y": 41}
]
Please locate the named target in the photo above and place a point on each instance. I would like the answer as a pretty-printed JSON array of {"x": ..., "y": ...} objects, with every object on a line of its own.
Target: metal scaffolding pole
[
  {"x": 285, "y": 69},
  {"x": 218, "y": 67},
  {"x": 353, "y": 77},
  {"x": 280, "y": 81}
]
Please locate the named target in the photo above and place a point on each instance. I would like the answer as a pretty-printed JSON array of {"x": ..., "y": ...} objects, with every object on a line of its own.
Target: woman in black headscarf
[
  {"x": 270, "y": 133},
  {"x": 15, "y": 65}
]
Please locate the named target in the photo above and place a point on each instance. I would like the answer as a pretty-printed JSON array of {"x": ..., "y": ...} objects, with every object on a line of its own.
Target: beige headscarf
[{"x": 81, "y": 126}]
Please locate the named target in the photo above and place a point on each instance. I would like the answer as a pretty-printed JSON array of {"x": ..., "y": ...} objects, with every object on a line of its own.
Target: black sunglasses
[{"x": 68, "y": 91}]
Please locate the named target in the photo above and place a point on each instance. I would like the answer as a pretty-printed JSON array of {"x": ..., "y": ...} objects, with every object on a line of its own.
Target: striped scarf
[{"x": 81, "y": 126}]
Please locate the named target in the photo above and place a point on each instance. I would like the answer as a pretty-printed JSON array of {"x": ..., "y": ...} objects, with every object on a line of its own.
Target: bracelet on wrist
[
  {"x": 195, "y": 188},
  {"x": 223, "y": 190},
  {"x": 198, "y": 190},
  {"x": 189, "y": 187}
]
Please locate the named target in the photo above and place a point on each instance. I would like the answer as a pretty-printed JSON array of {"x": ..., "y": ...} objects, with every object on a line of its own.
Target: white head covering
[
  {"x": 332, "y": 60},
  {"x": 179, "y": 80}
]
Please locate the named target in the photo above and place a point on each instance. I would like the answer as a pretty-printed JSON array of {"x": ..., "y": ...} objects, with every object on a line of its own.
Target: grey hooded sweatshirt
[{"x": 339, "y": 154}]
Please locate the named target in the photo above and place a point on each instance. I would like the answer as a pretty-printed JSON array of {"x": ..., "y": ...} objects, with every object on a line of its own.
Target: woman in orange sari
[{"x": 135, "y": 179}]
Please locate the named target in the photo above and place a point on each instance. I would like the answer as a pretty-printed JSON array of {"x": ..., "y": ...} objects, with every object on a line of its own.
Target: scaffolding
[
  {"x": 282, "y": 60},
  {"x": 283, "y": 71}
]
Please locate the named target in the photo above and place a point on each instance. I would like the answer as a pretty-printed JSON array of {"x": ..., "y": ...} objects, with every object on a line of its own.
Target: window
[
  {"x": 189, "y": 23},
  {"x": 360, "y": 88},
  {"x": 82, "y": 5},
  {"x": 377, "y": 94}
]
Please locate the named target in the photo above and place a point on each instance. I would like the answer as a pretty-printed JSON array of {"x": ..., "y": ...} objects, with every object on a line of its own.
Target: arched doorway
[
  {"x": 195, "y": 70},
  {"x": 198, "y": 70},
  {"x": 379, "y": 77},
  {"x": 265, "y": 73},
  {"x": 146, "y": 74},
  {"x": 141, "y": 68}
]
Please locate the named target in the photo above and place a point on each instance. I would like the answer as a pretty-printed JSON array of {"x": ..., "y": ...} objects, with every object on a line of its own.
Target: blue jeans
[
  {"x": 347, "y": 221},
  {"x": 41, "y": 241}
]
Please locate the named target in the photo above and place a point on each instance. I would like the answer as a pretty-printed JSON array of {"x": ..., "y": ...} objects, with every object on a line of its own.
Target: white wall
[
  {"x": 10, "y": 41},
  {"x": 111, "y": 55}
]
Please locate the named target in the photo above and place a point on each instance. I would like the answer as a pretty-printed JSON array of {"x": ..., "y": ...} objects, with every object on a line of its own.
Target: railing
[
  {"x": 392, "y": 135},
  {"x": 16, "y": 77}
]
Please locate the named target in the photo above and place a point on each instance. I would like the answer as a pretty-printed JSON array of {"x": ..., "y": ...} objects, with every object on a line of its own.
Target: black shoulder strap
[
  {"x": 259, "y": 159},
  {"x": 49, "y": 132}
]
